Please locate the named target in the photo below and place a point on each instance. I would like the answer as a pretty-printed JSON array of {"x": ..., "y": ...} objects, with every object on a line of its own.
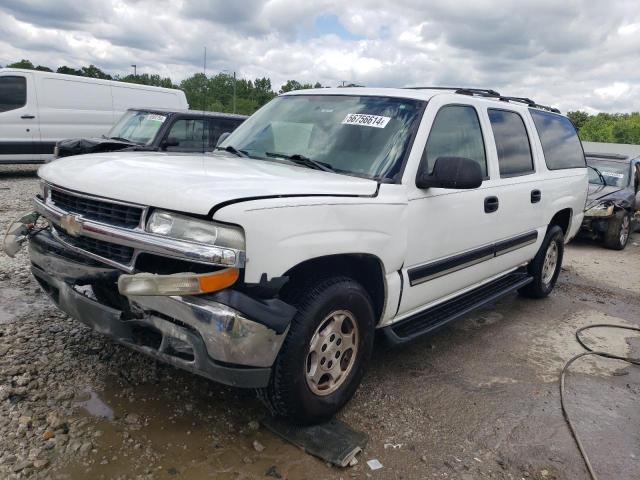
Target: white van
[{"x": 39, "y": 108}]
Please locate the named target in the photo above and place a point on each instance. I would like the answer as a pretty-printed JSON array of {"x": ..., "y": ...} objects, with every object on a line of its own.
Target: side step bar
[{"x": 428, "y": 320}]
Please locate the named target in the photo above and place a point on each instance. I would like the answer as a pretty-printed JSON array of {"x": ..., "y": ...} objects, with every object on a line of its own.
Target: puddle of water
[
  {"x": 95, "y": 406},
  {"x": 550, "y": 350},
  {"x": 186, "y": 428},
  {"x": 12, "y": 304}
]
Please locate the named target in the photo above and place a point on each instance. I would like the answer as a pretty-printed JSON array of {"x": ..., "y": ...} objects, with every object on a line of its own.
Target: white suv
[{"x": 329, "y": 214}]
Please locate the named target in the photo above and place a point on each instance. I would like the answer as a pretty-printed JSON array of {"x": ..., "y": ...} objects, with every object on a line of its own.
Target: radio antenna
[{"x": 204, "y": 97}]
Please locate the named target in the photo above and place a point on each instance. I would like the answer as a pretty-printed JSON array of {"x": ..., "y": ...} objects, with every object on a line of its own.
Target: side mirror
[
  {"x": 170, "y": 142},
  {"x": 451, "y": 172},
  {"x": 222, "y": 138}
]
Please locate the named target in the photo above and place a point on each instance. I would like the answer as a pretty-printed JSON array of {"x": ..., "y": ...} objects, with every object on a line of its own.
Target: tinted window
[
  {"x": 512, "y": 143},
  {"x": 13, "y": 93},
  {"x": 455, "y": 133},
  {"x": 189, "y": 134},
  {"x": 560, "y": 143}
]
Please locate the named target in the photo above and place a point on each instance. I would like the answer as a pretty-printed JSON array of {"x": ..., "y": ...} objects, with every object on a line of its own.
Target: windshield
[
  {"x": 138, "y": 127},
  {"x": 615, "y": 174},
  {"x": 360, "y": 135}
]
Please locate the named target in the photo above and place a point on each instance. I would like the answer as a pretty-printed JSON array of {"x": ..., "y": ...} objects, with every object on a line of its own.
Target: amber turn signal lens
[{"x": 218, "y": 280}]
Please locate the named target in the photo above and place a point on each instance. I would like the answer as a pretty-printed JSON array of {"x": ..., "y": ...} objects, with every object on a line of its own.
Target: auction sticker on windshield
[
  {"x": 155, "y": 118},
  {"x": 366, "y": 120}
]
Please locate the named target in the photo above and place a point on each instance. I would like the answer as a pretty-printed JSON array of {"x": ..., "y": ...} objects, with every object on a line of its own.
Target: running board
[{"x": 428, "y": 320}]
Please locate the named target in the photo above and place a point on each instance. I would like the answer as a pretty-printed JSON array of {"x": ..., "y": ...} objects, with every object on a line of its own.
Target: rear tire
[
  {"x": 545, "y": 266},
  {"x": 325, "y": 354},
  {"x": 617, "y": 235}
]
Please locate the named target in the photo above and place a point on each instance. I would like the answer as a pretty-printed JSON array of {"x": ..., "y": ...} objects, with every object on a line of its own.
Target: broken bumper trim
[{"x": 195, "y": 334}]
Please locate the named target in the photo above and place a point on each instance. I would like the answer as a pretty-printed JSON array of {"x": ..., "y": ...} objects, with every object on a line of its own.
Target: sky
[{"x": 572, "y": 54}]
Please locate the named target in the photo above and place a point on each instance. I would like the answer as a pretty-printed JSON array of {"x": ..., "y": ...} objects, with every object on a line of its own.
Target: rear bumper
[{"x": 199, "y": 333}]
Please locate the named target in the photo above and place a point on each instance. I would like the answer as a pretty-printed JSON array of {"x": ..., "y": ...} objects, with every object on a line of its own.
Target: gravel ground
[{"x": 478, "y": 399}]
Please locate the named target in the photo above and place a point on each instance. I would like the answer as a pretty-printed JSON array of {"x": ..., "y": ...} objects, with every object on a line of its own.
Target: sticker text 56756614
[{"x": 365, "y": 120}]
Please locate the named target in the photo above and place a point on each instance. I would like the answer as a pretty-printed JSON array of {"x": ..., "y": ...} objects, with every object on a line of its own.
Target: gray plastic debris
[{"x": 333, "y": 441}]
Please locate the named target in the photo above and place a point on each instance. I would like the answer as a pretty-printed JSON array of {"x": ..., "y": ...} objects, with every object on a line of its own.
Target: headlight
[
  {"x": 601, "y": 210},
  {"x": 187, "y": 228}
]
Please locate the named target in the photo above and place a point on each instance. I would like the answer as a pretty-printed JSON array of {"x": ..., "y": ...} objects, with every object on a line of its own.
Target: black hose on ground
[{"x": 590, "y": 351}]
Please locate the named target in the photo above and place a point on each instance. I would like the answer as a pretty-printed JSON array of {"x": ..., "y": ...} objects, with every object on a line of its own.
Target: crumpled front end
[{"x": 225, "y": 335}]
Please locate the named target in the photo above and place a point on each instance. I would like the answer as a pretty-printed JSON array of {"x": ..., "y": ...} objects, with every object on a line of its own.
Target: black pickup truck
[{"x": 157, "y": 130}]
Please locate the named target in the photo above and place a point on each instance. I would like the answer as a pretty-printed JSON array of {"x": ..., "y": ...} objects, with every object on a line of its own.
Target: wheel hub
[
  {"x": 332, "y": 352},
  {"x": 624, "y": 230}
]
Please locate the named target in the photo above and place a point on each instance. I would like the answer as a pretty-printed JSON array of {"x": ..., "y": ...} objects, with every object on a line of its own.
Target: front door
[
  {"x": 19, "y": 127},
  {"x": 451, "y": 232}
]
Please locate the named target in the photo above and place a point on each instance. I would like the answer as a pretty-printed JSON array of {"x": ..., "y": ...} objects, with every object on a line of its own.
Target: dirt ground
[{"x": 478, "y": 399}]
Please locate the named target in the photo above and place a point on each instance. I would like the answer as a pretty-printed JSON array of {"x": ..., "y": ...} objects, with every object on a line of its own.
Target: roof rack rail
[
  {"x": 529, "y": 102},
  {"x": 485, "y": 92}
]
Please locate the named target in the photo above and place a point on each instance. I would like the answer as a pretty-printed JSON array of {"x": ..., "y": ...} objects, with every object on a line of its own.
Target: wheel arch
[
  {"x": 562, "y": 218},
  {"x": 365, "y": 268}
]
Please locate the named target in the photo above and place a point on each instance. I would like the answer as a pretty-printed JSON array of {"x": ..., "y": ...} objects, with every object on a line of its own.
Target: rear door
[
  {"x": 19, "y": 122},
  {"x": 518, "y": 188}
]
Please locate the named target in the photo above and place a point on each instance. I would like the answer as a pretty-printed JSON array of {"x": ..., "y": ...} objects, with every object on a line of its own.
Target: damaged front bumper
[{"x": 226, "y": 336}]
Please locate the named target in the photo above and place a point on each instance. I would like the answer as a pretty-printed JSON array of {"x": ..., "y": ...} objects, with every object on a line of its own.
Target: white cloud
[{"x": 574, "y": 54}]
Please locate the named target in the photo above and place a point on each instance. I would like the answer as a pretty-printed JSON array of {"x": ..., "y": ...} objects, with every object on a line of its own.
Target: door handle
[
  {"x": 536, "y": 196},
  {"x": 491, "y": 204},
  {"x": 27, "y": 116}
]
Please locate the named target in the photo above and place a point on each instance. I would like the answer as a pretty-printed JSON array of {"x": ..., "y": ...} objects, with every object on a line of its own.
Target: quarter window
[
  {"x": 512, "y": 143},
  {"x": 560, "y": 143},
  {"x": 455, "y": 132},
  {"x": 13, "y": 93}
]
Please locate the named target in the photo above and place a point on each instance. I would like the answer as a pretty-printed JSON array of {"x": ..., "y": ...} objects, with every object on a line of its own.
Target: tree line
[
  {"x": 219, "y": 93},
  {"x": 216, "y": 93},
  {"x": 607, "y": 127}
]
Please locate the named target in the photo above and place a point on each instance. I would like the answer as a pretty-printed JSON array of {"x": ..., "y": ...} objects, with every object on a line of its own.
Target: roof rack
[
  {"x": 529, "y": 103},
  {"x": 485, "y": 92}
]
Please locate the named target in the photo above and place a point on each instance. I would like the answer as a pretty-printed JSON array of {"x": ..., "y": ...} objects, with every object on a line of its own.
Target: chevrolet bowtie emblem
[{"x": 72, "y": 224}]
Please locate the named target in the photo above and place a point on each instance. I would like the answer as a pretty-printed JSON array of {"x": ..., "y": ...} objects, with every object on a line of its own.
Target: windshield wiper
[
  {"x": 234, "y": 150},
  {"x": 604, "y": 182},
  {"x": 302, "y": 160},
  {"x": 120, "y": 139}
]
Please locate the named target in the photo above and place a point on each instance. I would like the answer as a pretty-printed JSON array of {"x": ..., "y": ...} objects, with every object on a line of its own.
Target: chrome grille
[
  {"x": 111, "y": 251},
  {"x": 99, "y": 210}
]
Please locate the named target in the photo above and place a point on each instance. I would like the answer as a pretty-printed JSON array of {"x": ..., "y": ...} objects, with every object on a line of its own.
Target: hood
[
  {"x": 598, "y": 193},
  {"x": 194, "y": 183},
  {"x": 80, "y": 146}
]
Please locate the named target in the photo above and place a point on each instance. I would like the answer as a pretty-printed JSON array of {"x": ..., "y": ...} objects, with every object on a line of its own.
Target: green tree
[
  {"x": 94, "y": 72},
  {"x": 291, "y": 85},
  {"x": 579, "y": 118},
  {"x": 26, "y": 64},
  {"x": 69, "y": 71}
]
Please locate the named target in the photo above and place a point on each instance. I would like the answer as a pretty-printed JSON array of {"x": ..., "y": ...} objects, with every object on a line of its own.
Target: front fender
[{"x": 282, "y": 233}]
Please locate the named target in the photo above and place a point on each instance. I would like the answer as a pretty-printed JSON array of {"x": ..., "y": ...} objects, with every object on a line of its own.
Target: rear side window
[
  {"x": 13, "y": 93},
  {"x": 560, "y": 143},
  {"x": 455, "y": 133},
  {"x": 512, "y": 143}
]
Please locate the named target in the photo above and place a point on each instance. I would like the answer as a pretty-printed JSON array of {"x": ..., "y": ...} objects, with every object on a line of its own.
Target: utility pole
[
  {"x": 135, "y": 70},
  {"x": 234, "y": 92}
]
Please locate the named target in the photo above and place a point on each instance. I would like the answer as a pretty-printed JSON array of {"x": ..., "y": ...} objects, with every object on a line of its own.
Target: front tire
[
  {"x": 617, "y": 235},
  {"x": 325, "y": 354},
  {"x": 545, "y": 266}
]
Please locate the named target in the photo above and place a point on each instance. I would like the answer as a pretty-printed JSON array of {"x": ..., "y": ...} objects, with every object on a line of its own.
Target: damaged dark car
[
  {"x": 612, "y": 212},
  {"x": 155, "y": 130}
]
